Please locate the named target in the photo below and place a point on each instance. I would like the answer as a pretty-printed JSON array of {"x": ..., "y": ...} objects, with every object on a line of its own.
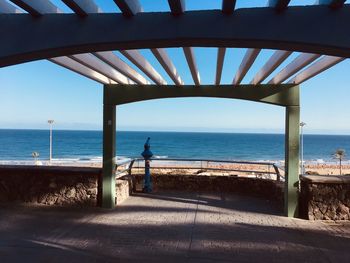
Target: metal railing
[{"x": 126, "y": 166}]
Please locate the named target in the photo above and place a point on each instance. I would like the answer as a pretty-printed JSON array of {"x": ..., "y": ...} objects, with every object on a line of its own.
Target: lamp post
[
  {"x": 50, "y": 122},
  {"x": 302, "y": 124}
]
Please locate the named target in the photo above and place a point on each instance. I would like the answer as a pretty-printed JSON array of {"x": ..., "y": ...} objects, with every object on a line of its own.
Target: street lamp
[
  {"x": 302, "y": 124},
  {"x": 50, "y": 122}
]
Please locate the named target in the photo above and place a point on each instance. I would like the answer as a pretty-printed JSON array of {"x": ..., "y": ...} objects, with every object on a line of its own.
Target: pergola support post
[
  {"x": 286, "y": 95},
  {"x": 109, "y": 152},
  {"x": 292, "y": 141}
]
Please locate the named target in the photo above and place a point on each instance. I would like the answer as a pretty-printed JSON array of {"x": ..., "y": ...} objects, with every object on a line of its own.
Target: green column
[
  {"x": 292, "y": 161},
  {"x": 108, "y": 178}
]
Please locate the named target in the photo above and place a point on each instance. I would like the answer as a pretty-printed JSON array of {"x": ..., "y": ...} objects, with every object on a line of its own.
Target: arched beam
[
  {"x": 282, "y": 95},
  {"x": 25, "y": 39}
]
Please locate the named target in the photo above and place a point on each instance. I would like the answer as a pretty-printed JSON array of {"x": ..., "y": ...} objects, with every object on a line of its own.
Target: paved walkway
[{"x": 169, "y": 227}]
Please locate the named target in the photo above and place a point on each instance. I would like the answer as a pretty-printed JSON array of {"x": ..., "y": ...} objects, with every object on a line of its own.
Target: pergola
[{"x": 85, "y": 40}]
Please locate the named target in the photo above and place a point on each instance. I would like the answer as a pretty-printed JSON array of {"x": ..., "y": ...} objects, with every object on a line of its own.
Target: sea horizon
[
  {"x": 175, "y": 131},
  {"x": 85, "y": 145}
]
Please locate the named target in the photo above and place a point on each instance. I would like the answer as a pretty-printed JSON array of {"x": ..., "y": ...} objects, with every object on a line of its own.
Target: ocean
[{"x": 87, "y": 145}]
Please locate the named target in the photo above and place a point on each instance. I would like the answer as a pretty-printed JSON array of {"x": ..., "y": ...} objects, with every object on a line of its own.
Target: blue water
[{"x": 19, "y": 145}]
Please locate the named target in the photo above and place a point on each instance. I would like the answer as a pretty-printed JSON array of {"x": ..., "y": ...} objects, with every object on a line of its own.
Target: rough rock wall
[
  {"x": 50, "y": 185},
  {"x": 268, "y": 189},
  {"x": 325, "y": 198},
  {"x": 122, "y": 191}
]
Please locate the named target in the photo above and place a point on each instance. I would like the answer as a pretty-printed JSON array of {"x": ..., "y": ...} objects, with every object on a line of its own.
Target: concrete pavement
[{"x": 169, "y": 227}]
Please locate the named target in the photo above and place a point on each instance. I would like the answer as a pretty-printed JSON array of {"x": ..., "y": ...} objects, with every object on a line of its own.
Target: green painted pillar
[
  {"x": 292, "y": 161},
  {"x": 109, "y": 134}
]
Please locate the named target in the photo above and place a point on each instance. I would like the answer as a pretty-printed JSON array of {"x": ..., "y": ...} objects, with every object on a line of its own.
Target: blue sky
[{"x": 33, "y": 92}]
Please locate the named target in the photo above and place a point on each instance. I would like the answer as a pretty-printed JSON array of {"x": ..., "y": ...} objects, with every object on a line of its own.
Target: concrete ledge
[
  {"x": 62, "y": 170},
  {"x": 325, "y": 179}
]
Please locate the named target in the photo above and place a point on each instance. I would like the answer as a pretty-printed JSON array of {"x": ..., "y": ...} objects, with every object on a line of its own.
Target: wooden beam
[
  {"x": 85, "y": 59},
  {"x": 279, "y": 5},
  {"x": 219, "y": 65},
  {"x": 63, "y": 61},
  {"x": 7, "y": 8},
  {"x": 316, "y": 68},
  {"x": 50, "y": 37},
  {"x": 38, "y": 7},
  {"x": 129, "y": 8},
  {"x": 136, "y": 58},
  {"x": 111, "y": 59},
  {"x": 228, "y": 6},
  {"x": 191, "y": 61},
  {"x": 274, "y": 61},
  {"x": 168, "y": 66},
  {"x": 94, "y": 63},
  {"x": 177, "y": 7},
  {"x": 246, "y": 63},
  {"x": 81, "y": 69},
  {"x": 332, "y": 3},
  {"x": 297, "y": 64},
  {"x": 82, "y": 7},
  {"x": 279, "y": 56}
]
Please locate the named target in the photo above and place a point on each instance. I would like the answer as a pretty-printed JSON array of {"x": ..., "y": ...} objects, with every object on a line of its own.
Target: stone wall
[
  {"x": 72, "y": 186},
  {"x": 268, "y": 189},
  {"x": 56, "y": 185},
  {"x": 122, "y": 189},
  {"x": 66, "y": 186},
  {"x": 325, "y": 197}
]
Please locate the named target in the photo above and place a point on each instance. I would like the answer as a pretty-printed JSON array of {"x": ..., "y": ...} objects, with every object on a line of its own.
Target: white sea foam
[
  {"x": 61, "y": 161},
  {"x": 98, "y": 160}
]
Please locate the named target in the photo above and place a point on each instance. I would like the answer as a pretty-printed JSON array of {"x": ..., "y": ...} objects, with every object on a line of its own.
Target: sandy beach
[{"x": 206, "y": 168}]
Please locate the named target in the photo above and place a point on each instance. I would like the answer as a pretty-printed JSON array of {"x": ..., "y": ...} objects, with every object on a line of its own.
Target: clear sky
[{"x": 34, "y": 92}]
